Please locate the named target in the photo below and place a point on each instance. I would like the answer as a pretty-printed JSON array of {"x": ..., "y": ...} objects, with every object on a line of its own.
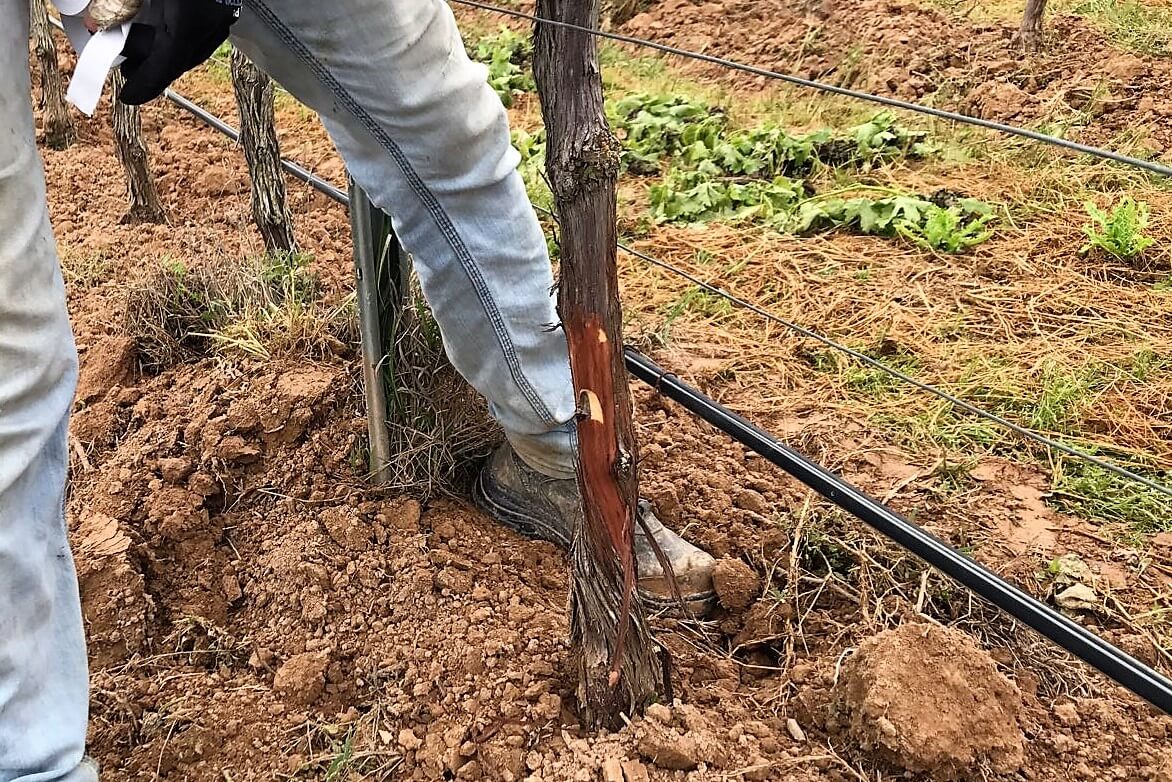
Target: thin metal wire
[
  {"x": 320, "y": 184},
  {"x": 895, "y": 103}
]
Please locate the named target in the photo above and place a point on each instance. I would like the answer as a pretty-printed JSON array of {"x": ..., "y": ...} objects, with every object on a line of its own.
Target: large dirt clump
[{"x": 928, "y": 699}]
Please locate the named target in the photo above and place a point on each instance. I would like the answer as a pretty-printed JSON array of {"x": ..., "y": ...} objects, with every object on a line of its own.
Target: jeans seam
[{"x": 430, "y": 202}]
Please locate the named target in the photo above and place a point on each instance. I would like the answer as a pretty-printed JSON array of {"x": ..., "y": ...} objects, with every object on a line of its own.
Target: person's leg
[
  {"x": 427, "y": 139},
  {"x": 423, "y": 133},
  {"x": 43, "y": 679}
]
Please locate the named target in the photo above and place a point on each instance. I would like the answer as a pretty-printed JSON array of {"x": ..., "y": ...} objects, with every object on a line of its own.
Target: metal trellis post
[{"x": 381, "y": 271}]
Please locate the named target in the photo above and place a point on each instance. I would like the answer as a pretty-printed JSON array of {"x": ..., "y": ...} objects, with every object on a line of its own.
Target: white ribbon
[{"x": 98, "y": 54}]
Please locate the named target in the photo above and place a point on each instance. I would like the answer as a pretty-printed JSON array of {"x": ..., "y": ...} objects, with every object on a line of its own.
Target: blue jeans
[
  {"x": 42, "y": 652},
  {"x": 428, "y": 140},
  {"x": 425, "y": 136}
]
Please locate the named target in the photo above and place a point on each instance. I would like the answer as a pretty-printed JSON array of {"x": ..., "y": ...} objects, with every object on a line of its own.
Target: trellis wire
[
  {"x": 882, "y": 100},
  {"x": 337, "y": 195}
]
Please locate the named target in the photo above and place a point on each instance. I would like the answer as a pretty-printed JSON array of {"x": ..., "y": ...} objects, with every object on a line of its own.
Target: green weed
[
  {"x": 1119, "y": 233},
  {"x": 509, "y": 56},
  {"x": 259, "y": 307},
  {"x": 1094, "y": 493},
  {"x": 339, "y": 767},
  {"x": 869, "y": 380},
  {"x": 1062, "y": 400},
  {"x": 1141, "y": 27},
  {"x": 952, "y": 228}
]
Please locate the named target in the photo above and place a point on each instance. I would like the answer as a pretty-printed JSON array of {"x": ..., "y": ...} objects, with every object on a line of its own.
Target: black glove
[{"x": 169, "y": 38}]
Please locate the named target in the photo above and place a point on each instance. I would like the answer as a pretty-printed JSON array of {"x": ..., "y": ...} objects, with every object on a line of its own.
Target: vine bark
[
  {"x": 258, "y": 139},
  {"x": 1031, "y": 25},
  {"x": 618, "y": 666},
  {"x": 60, "y": 130},
  {"x": 145, "y": 205}
]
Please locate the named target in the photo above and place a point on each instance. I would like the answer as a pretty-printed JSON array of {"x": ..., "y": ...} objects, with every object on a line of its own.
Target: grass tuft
[{"x": 259, "y": 307}]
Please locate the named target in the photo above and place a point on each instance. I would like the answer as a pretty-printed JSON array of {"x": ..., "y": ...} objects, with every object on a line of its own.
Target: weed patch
[
  {"x": 1120, "y": 232},
  {"x": 1092, "y": 492},
  {"x": 1141, "y": 27},
  {"x": 508, "y": 56},
  {"x": 260, "y": 307}
]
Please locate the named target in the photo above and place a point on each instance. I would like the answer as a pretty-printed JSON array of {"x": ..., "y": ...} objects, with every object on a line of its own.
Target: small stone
[
  {"x": 408, "y": 740},
  {"x": 635, "y": 771},
  {"x": 1067, "y": 714},
  {"x": 659, "y": 712},
  {"x": 302, "y": 677},
  {"x": 795, "y": 730},
  {"x": 736, "y": 583},
  {"x": 612, "y": 770},
  {"x": 1079, "y": 597}
]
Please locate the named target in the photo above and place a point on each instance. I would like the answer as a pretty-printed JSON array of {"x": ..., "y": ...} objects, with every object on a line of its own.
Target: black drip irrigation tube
[
  {"x": 1076, "y": 639},
  {"x": 1140, "y": 679}
]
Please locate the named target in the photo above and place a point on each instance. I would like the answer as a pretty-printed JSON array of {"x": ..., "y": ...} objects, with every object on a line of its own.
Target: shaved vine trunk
[
  {"x": 60, "y": 131},
  {"x": 617, "y": 662},
  {"x": 1031, "y": 25},
  {"x": 258, "y": 138},
  {"x": 145, "y": 205}
]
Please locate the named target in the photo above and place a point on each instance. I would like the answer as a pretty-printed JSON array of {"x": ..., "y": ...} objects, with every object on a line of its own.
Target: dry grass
[
  {"x": 1021, "y": 327},
  {"x": 439, "y": 426},
  {"x": 260, "y": 307}
]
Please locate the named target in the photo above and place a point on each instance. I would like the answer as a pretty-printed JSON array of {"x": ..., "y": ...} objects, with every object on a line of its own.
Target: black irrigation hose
[
  {"x": 894, "y": 103},
  {"x": 1076, "y": 639},
  {"x": 325, "y": 187}
]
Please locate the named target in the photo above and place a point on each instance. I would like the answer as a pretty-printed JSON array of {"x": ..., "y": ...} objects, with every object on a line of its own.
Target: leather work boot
[{"x": 545, "y": 508}]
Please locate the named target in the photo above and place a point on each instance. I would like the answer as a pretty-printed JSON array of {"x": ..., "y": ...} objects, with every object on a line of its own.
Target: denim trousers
[{"x": 426, "y": 137}]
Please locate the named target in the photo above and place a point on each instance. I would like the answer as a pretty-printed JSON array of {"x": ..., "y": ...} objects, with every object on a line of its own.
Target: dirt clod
[
  {"x": 635, "y": 771},
  {"x": 1067, "y": 714},
  {"x": 659, "y": 712},
  {"x": 302, "y": 678},
  {"x": 345, "y": 527},
  {"x": 108, "y": 363},
  {"x": 929, "y": 700},
  {"x": 668, "y": 749},
  {"x": 736, "y": 584}
]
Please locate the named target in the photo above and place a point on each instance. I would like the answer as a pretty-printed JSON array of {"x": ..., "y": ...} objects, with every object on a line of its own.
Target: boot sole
[{"x": 494, "y": 501}]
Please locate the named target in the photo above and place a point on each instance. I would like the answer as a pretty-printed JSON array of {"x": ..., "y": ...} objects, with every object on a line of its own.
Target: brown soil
[
  {"x": 913, "y": 51},
  {"x": 256, "y": 611}
]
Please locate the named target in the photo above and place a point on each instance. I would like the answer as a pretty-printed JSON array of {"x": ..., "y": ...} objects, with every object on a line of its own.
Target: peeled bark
[
  {"x": 618, "y": 667},
  {"x": 258, "y": 138},
  {"x": 60, "y": 131},
  {"x": 145, "y": 205},
  {"x": 1031, "y": 25}
]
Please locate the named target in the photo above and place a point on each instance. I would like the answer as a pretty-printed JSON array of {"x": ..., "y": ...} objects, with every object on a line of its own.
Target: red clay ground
[{"x": 255, "y": 611}]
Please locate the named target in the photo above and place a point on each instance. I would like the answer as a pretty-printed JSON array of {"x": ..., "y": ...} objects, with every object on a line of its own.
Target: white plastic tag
[{"x": 98, "y": 54}]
